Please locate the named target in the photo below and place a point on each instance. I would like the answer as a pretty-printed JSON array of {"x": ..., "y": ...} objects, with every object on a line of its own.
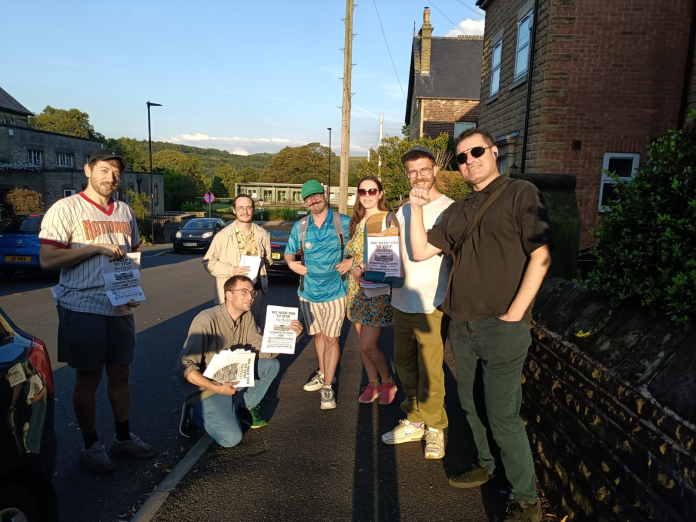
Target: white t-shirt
[
  {"x": 77, "y": 221},
  {"x": 426, "y": 281}
]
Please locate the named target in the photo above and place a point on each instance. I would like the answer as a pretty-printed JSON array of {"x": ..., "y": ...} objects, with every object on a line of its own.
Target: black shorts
[{"x": 89, "y": 341}]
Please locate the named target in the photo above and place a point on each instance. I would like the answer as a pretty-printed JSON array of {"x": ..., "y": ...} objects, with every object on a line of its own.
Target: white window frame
[
  {"x": 607, "y": 181},
  {"x": 529, "y": 16},
  {"x": 462, "y": 126},
  {"x": 69, "y": 192},
  {"x": 64, "y": 159},
  {"x": 35, "y": 157},
  {"x": 495, "y": 67}
]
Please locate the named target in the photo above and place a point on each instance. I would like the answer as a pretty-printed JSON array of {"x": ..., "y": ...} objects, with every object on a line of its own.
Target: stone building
[
  {"x": 52, "y": 164},
  {"x": 596, "y": 82},
  {"x": 286, "y": 193},
  {"x": 443, "y": 84}
]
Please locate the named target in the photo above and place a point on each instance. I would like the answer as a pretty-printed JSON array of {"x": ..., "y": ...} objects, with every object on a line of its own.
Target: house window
[
  {"x": 68, "y": 192},
  {"x": 282, "y": 195},
  {"x": 34, "y": 157},
  {"x": 461, "y": 126},
  {"x": 65, "y": 160},
  {"x": 524, "y": 32},
  {"x": 502, "y": 164},
  {"x": 495, "y": 67},
  {"x": 623, "y": 164}
]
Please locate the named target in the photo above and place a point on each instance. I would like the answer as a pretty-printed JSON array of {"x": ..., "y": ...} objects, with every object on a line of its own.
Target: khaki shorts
[{"x": 326, "y": 318}]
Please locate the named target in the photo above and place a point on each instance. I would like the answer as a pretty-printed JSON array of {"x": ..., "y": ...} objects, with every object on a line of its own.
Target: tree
[
  {"x": 249, "y": 174},
  {"x": 187, "y": 165},
  {"x": 178, "y": 189},
  {"x": 300, "y": 164},
  {"x": 133, "y": 151},
  {"x": 72, "y": 122},
  {"x": 226, "y": 176},
  {"x": 24, "y": 201},
  {"x": 140, "y": 203}
]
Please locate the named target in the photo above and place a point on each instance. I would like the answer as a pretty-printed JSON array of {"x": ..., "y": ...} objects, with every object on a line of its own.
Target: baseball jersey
[{"x": 77, "y": 221}]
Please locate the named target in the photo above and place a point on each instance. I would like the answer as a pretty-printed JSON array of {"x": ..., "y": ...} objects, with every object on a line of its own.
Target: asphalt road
[{"x": 307, "y": 464}]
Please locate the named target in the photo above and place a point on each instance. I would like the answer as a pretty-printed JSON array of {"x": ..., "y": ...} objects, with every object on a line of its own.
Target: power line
[
  {"x": 389, "y": 50},
  {"x": 470, "y": 8},
  {"x": 450, "y": 21}
]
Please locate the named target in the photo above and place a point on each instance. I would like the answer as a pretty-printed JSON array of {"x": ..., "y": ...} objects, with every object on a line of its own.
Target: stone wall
[{"x": 609, "y": 402}]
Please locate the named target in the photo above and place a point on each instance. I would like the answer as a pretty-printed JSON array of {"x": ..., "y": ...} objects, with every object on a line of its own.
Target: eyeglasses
[
  {"x": 476, "y": 152},
  {"x": 371, "y": 192},
  {"x": 418, "y": 173},
  {"x": 243, "y": 209},
  {"x": 313, "y": 196},
  {"x": 245, "y": 292}
]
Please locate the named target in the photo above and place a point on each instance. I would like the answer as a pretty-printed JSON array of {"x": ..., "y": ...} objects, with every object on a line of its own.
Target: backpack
[{"x": 304, "y": 223}]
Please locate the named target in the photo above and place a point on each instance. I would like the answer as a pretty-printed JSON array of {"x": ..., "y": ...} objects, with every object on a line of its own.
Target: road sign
[
  {"x": 261, "y": 202},
  {"x": 209, "y": 197}
]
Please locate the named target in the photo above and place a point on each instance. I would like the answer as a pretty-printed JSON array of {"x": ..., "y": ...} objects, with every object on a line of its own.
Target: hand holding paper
[{"x": 254, "y": 263}]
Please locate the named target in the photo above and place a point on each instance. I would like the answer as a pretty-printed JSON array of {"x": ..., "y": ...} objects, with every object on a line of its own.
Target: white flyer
[
  {"x": 254, "y": 263},
  {"x": 277, "y": 336},
  {"x": 230, "y": 366},
  {"x": 122, "y": 279},
  {"x": 375, "y": 289},
  {"x": 383, "y": 255}
]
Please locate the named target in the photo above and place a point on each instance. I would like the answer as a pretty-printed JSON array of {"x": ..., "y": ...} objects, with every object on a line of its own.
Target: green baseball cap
[{"x": 311, "y": 187}]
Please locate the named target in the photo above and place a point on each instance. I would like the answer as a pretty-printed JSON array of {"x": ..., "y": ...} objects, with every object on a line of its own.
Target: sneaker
[
  {"x": 369, "y": 393},
  {"x": 387, "y": 392},
  {"x": 519, "y": 510},
  {"x": 434, "y": 443},
  {"x": 187, "y": 427},
  {"x": 476, "y": 476},
  {"x": 95, "y": 459},
  {"x": 256, "y": 420},
  {"x": 328, "y": 401},
  {"x": 317, "y": 382},
  {"x": 404, "y": 432},
  {"x": 134, "y": 447},
  {"x": 244, "y": 415}
]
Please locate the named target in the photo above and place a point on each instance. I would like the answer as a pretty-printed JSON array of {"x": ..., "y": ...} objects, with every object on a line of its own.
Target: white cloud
[
  {"x": 467, "y": 27},
  {"x": 235, "y": 144},
  {"x": 240, "y": 152}
]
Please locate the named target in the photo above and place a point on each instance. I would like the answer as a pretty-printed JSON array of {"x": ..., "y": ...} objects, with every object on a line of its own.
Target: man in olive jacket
[{"x": 241, "y": 237}]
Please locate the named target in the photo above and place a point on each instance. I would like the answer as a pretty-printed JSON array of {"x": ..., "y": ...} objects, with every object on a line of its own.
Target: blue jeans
[{"x": 217, "y": 414}]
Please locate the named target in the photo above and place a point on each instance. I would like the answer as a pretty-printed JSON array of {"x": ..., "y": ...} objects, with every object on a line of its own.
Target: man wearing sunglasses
[
  {"x": 498, "y": 270},
  {"x": 217, "y": 407}
]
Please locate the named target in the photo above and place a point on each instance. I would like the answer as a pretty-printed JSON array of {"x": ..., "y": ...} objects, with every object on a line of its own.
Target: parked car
[
  {"x": 280, "y": 233},
  {"x": 19, "y": 244},
  {"x": 27, "y": 436},
  {"x": 197, "y": 234}
]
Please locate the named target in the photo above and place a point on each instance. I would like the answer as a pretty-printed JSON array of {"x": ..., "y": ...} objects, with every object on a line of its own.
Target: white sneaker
[
  {"x": 134, "y": 447},
  {"x": 434, "y": 443},
  {"x": 95, "y": 459},
  {"x": 328, "y": 400},
  {"x": 317, "y": 382},
  {"x": 404, "y": 432}
]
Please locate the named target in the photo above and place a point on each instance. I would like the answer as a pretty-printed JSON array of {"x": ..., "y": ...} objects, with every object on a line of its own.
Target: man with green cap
[{"x": 320, "y": 238}]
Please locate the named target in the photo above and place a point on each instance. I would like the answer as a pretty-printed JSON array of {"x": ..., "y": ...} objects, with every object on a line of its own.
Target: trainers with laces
[
  {"x": 434, "y": 443},
  {"x": 95, "y": 459},
  {"x": 328, "y": 401},
  {"x": 187, "y": 427},
  {"x": 134, "y": 447},
  {"x": 317, "y": 382},
  {"x": 476, "y": 476},
  {"x": 369, "y": 393},
  {"x": 404, "y": 432},
  {"x": 256, "y": 420},
  {"x": 387, "y": 392},
  {"x": 519, "y": 510}
]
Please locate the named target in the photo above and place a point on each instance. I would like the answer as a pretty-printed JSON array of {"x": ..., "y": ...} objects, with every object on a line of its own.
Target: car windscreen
[
  {"x": 280, "y": 235},
  {"x": 24, "y": 225},
  {"x": 197, "y": 224}
]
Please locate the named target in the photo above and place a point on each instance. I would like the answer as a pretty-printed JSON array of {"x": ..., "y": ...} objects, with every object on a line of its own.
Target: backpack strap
[
  {"x": 304, "y": 223},
  {"x": 338, "y": 225}
]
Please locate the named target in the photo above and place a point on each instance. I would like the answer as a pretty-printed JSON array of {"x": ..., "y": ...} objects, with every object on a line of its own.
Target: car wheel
[{"x": 18, "y": 503}]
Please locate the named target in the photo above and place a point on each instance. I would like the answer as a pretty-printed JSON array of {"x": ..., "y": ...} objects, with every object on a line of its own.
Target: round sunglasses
[
  {"x": 371, "y": 192},
  {"x": 476, "y": 152}
]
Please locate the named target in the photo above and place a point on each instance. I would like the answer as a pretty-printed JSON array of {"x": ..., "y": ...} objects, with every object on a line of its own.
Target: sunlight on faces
[
  {"x": 477, "y": 171},
  {"x": 244, "y": 209},
  {"x": 316, "y": 203},
  {"x": 104, "y": 176},
  {"x": 421, "y": 172},
  {"x": 369, "y": 201},
  {"x": 238, "y": 298}
]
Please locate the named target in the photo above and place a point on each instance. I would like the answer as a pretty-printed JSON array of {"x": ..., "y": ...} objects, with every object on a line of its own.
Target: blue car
[{"x": 19, "y": 244}]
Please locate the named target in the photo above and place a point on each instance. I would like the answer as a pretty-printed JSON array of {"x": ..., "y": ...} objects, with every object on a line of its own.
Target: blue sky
[{"x": 245, "y": 77}]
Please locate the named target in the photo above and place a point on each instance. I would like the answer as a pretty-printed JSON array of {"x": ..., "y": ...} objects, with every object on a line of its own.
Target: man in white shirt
[{"x": 420, "y": 328}]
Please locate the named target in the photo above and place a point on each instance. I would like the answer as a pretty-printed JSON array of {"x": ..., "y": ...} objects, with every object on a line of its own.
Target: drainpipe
[
  {"x": 687, "y": 70},
  {"x": 530, "y": 70}
]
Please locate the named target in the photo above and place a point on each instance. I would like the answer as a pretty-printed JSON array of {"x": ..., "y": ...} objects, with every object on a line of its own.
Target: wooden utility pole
[{"x": 345, "y": 128}]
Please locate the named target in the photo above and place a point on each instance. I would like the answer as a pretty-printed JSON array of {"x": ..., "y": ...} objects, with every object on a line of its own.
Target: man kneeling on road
[{"x": 211, "y": 405}]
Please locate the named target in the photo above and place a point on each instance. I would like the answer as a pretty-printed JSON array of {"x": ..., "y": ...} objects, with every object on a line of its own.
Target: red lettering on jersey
[
  {"x": 110, "y": 226},
  {"x": 96, "y": 232},
  {"x": 88, "y": 230}
]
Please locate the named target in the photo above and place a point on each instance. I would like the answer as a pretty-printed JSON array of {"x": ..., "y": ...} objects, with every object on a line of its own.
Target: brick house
[
  {"x": 607, "y": 77},
  {"x": 443, "y": 84},
  {"x": 51, "y": 163}
]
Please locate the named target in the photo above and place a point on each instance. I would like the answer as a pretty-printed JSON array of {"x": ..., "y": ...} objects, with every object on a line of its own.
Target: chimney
[{"x": 426, "y": 34}]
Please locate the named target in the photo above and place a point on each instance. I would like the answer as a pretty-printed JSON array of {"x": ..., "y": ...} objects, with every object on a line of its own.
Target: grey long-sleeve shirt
[{"x": 211, "y": 332}]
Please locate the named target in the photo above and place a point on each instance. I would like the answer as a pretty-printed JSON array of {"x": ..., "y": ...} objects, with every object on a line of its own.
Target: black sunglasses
[
  {"x": 371, "y": 192},
  {"x": 476, "y": 152}
]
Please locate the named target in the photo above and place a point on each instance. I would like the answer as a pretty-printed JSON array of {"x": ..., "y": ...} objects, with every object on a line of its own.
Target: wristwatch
[{"x": 348, "y": 256}]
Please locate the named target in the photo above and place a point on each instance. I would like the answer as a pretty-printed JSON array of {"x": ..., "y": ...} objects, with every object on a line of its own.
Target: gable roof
[
  {"x": 455, "y": 70},
  {"x": 9, "y": 104}
]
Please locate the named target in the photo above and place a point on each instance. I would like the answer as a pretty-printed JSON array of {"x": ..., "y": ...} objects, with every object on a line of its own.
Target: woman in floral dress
[{"x": 370, "y": 314}]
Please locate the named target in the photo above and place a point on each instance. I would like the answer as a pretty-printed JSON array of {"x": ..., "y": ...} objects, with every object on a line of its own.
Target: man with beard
[
  {"x": 93, "y": 334},
  {"x": 322, "y": 289},
  {"x": 240, "y": 238},
  {"x": 497, "y": 272},
  {"x": 420, "y": 328}
]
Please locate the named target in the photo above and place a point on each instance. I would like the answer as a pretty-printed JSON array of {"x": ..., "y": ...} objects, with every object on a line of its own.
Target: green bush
[{"x": 646, "y": 243}]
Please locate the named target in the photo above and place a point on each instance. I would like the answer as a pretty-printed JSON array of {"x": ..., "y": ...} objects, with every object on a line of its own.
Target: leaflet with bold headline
[
  {"x": 277, "y": 336},
  {"x": 122, "y": 279}
]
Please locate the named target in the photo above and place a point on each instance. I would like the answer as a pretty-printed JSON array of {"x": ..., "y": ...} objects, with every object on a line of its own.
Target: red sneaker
[
  {"x": 387, "y": 393},
  {"x": 369, "y": 393}
]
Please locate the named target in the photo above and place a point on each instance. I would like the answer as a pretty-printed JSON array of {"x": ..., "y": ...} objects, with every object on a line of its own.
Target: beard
[
  {"x": 317, "y": 207},
  {"x": 103, "y": 189},
  {"x": 426, "y": 183}
]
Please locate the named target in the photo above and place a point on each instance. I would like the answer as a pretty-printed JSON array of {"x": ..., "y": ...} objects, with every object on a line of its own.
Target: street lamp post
[
  {"x": 329, "y": 128},
  {"x": 152, "y": 190}
]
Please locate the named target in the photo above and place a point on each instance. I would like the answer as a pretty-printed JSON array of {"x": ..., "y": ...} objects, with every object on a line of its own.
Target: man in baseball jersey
[{"x": 76, "y": 233}]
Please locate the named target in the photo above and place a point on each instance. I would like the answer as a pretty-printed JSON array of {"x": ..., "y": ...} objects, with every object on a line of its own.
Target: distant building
[
  {"x": 51, "y": 163},
  {"x": 286, "y": 193}
]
